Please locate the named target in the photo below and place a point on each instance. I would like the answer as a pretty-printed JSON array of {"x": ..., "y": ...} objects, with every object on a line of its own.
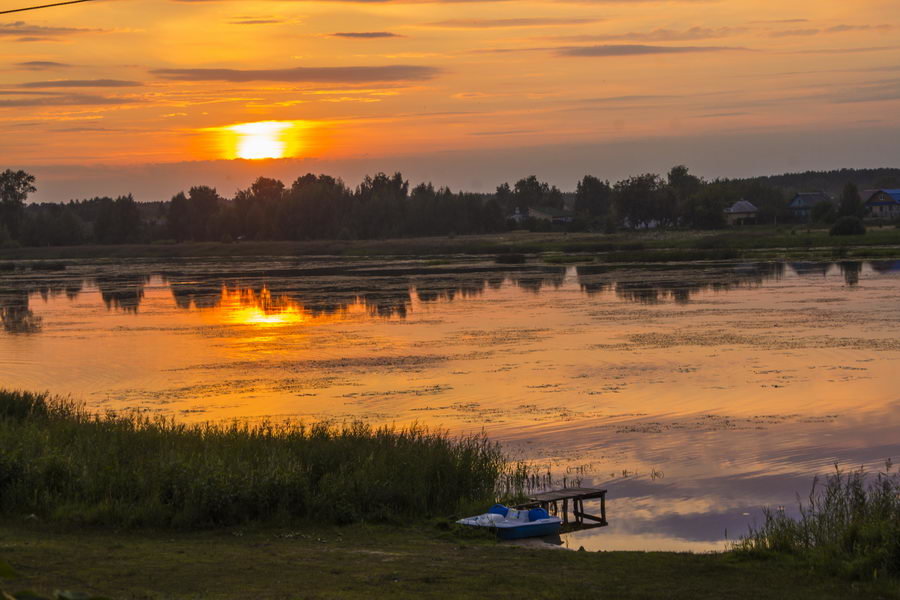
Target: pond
[{"x": 696, "y": 394}]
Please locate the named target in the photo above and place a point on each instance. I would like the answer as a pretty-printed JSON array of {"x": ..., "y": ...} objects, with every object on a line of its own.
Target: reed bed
[
  {"x": 850, "y": 526},
  {"x": 60, "y": 462}
]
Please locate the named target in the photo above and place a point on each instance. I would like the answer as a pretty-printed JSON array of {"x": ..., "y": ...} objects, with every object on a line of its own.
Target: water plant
[
  {"x": 850, "y": 526},
  {"x": 60, "y": 462}
]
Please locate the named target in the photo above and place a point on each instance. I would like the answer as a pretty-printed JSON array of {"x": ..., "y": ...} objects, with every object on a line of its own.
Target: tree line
[{"x": 381, "y": 206}]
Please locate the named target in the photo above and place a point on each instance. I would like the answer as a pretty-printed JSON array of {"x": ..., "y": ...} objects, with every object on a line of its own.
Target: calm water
[{"x": 696, "y": 395}]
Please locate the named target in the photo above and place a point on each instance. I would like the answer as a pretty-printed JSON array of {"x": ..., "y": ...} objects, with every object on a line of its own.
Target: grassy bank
[
  {"x": 849, "y": 527},
  {"x": 361, "y": 561},
  {"x": 63, "y": 464},
  {"x": 745, "y": 242}
]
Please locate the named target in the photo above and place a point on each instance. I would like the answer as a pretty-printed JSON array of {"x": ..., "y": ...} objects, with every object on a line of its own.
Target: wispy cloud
[
  {"x": 31, "y": 33},
  {"x": 365, "y": 35},
  {"x": 42, "y": 65},
  {"x": 256, "y": 21},
  {"x": 306, "y": 74},
  {"x": 81, "y": 83},
  {"x": 834, "y": 29},
  {"x": 508, "y": 23},
  {"x": 66, "y": 100},
  {"x": 609, "y": 50},
  {"x": 659, "y": 35},
  {"x": 794, "y": 33}
]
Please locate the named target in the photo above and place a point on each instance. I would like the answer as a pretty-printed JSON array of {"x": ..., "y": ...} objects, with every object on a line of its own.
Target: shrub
[
  {"x": 848, "y": 226},
  {"x": 60, "y": 462},
  {"x": 850, "y": 526}
]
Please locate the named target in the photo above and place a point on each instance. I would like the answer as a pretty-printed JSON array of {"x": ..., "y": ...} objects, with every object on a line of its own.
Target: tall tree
[
  {"x": 14, "y": 189},
  {"x": 850, "y": 204},
  {"x": 637, "y": 199},
  {"x": 592, "y": 197}
]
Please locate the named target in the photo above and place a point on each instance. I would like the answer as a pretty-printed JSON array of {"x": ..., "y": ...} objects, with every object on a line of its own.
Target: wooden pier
[{"x": 549, "y": 501}]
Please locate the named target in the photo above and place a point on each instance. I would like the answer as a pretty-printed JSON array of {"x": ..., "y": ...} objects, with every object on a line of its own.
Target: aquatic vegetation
[
  {"x": 850, "y": 526},
  {"x": 60, "y": 462}
]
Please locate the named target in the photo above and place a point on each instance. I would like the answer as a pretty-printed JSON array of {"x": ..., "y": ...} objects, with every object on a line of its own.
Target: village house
[
  {"x": 802, "y": 205},
  {"x": 741, "y": 213},
  {"x": 883, "y": 204},
  {"x": 556, "y": 216}
]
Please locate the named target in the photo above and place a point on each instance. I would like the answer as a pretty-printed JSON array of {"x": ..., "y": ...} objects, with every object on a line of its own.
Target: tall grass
[
  {"x": 60, "y": 462},
  {"x": 850, "y": 526}
]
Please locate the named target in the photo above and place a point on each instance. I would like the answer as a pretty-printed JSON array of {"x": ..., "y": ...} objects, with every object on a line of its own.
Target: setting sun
[{"x": 260, "y": 140}]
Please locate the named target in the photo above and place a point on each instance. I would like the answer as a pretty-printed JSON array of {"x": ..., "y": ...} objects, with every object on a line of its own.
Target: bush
[
  {"x": 60, "y": 462},
  {"x": 848, "y": 226},
  {"x": 849, "y": 527}
]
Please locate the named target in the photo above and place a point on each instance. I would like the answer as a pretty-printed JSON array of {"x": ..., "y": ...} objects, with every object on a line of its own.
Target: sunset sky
[{"x": 149, "y": 96}]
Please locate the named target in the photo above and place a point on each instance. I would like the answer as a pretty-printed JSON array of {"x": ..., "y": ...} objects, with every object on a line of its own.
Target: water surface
[{"x": 696, "y": 394}]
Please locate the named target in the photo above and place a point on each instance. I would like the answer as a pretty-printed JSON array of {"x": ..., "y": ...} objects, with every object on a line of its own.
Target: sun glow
[
  {"x": 262, "y": 139},
  {"x": 246, "y": 307}
]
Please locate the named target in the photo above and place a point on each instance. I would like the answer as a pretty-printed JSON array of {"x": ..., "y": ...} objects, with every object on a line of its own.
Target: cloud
[
  {"x": 305, "y": 74},
  {"x": 609, "y": 50},
  {"x": 256, "y": 21},
  {"x": 66, "y": 100},
  {"x": 780, "y": 21},
  {"x": 70, "y": 83},
  {"x": 874, "y": 91},
  {"x": 794, "y": 32},
  {"x": 508, "y": 23},
  {"x": 843, "y": 28},
  {"x": 660, "y": 35},
  {"x": 365, "y": 35},
  {"x": 834, "y": 29},
  {"x": 42, "y": 65},
  {"x": 33, "y": 33},
  {"x": 858, "y": 50}
]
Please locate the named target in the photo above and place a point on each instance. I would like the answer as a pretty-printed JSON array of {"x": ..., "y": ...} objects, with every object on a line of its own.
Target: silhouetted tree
[
  {"x": 850, "y": 204},
  {"x": 592, "y": 197},
  {"x": 14, "y": 189},
  {"x": 637, "y": 199}
]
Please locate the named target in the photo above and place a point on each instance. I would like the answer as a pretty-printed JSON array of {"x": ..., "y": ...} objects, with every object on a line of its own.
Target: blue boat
[{"x": 512, "y": 524}]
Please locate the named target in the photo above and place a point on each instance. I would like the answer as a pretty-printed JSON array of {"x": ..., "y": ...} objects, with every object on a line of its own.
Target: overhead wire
[{"x": 15, "y": 10}]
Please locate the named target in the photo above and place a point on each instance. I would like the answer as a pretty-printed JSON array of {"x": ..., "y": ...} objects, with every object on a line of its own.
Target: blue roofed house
[
  {"x": 884, "y": 204},
  {"x": 802, "y": 204}
]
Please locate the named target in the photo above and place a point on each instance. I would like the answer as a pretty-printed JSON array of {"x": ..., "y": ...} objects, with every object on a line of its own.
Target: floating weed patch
[{"x": 62, "y": 463}]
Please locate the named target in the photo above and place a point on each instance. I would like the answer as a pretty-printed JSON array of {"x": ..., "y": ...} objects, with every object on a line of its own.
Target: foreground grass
[
  {"x": 377, "y": 561},
  {"x": 748, "y": 242},
  {"x": 61, "y": 463}
]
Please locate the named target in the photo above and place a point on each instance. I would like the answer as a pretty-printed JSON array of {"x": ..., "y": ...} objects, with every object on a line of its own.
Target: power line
[{"x": 15, "y": 10}]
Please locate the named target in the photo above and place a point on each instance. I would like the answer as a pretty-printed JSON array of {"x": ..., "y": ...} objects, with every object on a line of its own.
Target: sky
[{"x": 152, "y": 96}]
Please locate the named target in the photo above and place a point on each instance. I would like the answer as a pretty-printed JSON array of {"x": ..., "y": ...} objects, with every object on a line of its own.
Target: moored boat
[{"x": 513, "y": 524}]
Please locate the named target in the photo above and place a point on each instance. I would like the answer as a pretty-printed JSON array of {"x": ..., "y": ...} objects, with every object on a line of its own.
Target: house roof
[
  {"x": 742, "y": 206},
  {"x": 809, "y": 199},
  {"x": 894, "y": 196}
]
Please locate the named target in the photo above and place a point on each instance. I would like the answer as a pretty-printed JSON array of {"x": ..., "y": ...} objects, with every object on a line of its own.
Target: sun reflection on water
[{"x": 247, "y": 307}]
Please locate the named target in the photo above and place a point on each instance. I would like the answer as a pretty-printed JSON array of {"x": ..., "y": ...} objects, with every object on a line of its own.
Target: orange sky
[{"x": 128, "y": 82}]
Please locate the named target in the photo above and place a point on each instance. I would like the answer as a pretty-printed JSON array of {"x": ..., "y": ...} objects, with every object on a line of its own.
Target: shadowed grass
[
  {"x": 849, "y": 527},
  {"x": 62, "y": 463}
]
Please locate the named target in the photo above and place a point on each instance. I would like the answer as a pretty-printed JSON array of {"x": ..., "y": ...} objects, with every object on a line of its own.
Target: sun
[{"x": 260, "y": 139}]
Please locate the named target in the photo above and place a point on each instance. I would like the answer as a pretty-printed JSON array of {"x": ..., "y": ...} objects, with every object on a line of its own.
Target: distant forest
[{"x": 384, "y": 206}]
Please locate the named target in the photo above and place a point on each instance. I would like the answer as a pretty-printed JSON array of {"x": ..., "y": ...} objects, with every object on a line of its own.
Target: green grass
[
  {"x": 63, "y": 464},
  {"x": 787, "y": 241},
  {"x": 849, "y": 527},
  {"x": 363, "y": 561}
]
